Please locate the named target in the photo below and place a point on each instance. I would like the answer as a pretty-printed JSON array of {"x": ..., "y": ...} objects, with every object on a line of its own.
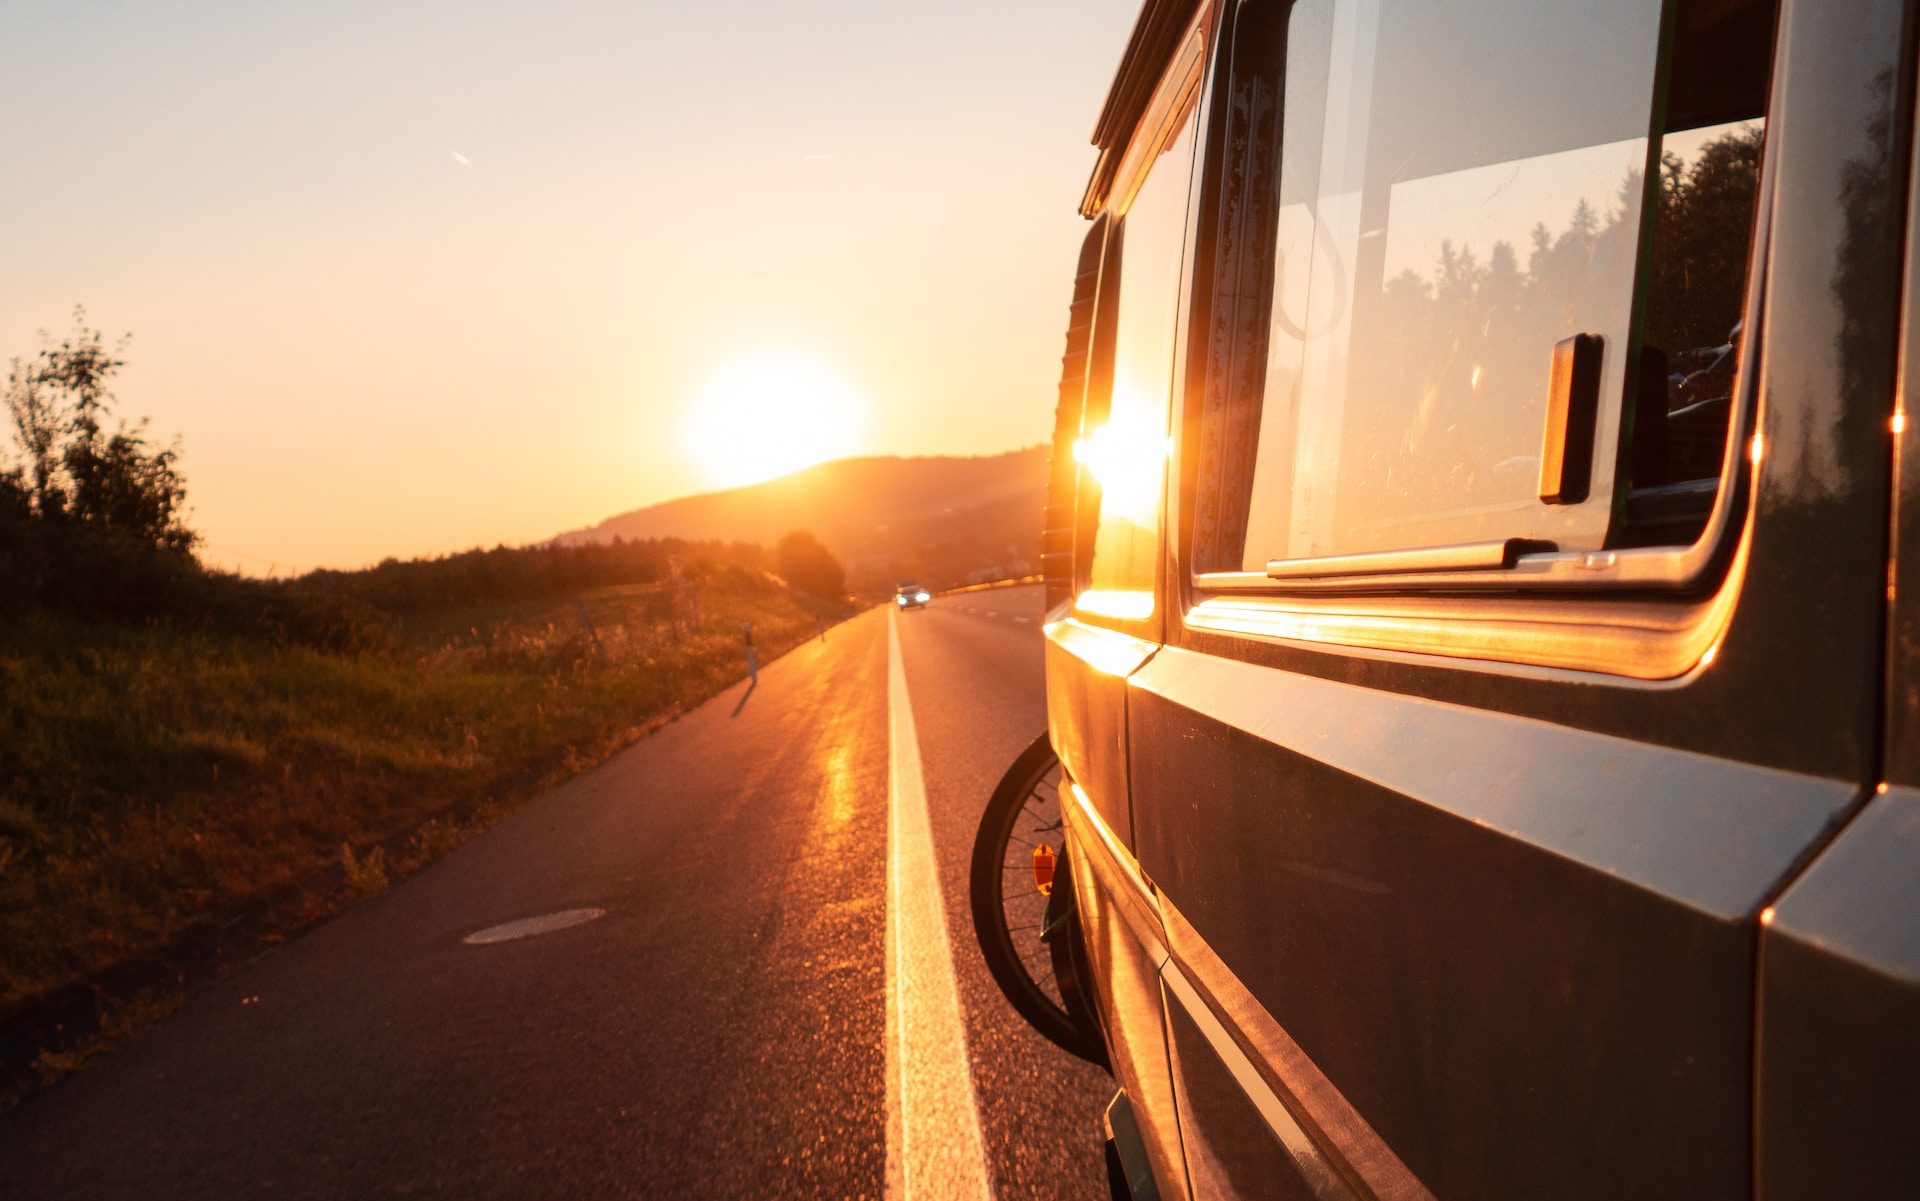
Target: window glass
[
  {"x": 1126, "y": 453},
  {"x": 1697, "y": 275},
  {"x": 1462, "y": 187}
]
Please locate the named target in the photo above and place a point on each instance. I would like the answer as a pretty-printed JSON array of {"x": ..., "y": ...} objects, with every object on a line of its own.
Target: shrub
[
  {"x": 517, "y": 573},
  {"x": 75, "y": 471},
  {"x": 810, "y": 566}
]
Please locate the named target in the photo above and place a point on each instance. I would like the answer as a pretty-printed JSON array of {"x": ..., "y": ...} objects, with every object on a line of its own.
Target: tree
[
  {"x": 810, "y": 566},
  {"x": 1701, "y": 236},
  {"x": 75, "y": 472}
]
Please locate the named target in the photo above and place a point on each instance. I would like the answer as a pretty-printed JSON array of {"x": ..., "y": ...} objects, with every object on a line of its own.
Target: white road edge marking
[{"x": 934, "y": 1148}]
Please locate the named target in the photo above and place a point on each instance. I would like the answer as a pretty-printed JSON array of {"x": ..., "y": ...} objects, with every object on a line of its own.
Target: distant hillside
[{"x": 940, "y": 519}]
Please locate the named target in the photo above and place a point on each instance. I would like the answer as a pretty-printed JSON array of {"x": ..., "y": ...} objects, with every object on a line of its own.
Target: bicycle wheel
[{"x": 1018, "y": 863}]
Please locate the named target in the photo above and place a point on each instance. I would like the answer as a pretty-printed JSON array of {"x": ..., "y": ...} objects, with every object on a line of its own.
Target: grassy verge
[{"x": 159, "y": 781}]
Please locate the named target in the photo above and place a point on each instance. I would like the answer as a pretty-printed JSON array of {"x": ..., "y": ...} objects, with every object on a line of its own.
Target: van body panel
[
  {"x": 1125, "y": 943},
  {"x": 1230, "y": 1147},
  {"x": 1327, "y": 1142},
  {"x": 1458, "y": 915},
  {"x": 1715, "y": 835},
  {"x": 1840, "y": 1017},
  {"x": 1087, "y": 669}
]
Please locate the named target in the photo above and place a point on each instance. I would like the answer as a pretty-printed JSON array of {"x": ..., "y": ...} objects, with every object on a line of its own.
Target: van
[{"x": 1480, "y": 657}]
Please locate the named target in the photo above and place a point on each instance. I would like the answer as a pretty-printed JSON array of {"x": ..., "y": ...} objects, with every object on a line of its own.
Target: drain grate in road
[{"x": 526, "y": 927}]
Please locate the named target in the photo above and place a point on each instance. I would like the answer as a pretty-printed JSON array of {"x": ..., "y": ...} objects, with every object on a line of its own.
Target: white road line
[
  {"x": 993, "y": 612},
  {"x": 934, "y": 1149},
  {"x": 1023, "y": 621}
]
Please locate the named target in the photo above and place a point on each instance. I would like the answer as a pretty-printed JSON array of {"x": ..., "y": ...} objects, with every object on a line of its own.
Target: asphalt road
[{"x": 722, "y": 1030}]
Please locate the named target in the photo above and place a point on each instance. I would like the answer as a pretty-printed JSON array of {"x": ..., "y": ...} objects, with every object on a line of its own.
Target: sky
[{"x": 408, "y": 278}]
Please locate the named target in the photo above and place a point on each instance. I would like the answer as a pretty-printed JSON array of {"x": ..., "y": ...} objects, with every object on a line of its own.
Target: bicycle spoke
[{"x": 1025, "y": 813}]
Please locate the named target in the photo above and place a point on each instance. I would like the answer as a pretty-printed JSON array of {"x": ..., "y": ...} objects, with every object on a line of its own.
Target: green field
[{"x": 161, "y": 779}]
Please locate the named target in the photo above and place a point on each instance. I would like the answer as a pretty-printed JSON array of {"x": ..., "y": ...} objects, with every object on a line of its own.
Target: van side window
[
  {"x": 1706, "y": 191},
  {"x": 1462, "y": 190},
  {"x": 1126, "y": 451},
  {"x": 1057, "y": 528}
]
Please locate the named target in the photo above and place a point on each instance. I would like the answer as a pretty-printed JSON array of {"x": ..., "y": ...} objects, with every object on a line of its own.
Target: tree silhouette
[
  {"x": 1700, "y": 241},
  {"x": 809, "y": 566},
  {"x": 76, "y": 472},
  {"x": 1468, "y": 333}
]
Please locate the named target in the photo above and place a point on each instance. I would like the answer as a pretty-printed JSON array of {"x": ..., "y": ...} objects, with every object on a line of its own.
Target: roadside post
[
  {"x": 684, "y": 598},
  {"x": 753, "y": 654},
  {"x": 593, "y": 635}
]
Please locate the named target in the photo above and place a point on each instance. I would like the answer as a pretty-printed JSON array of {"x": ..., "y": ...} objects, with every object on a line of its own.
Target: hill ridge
[{"x": 943, "y": 519}]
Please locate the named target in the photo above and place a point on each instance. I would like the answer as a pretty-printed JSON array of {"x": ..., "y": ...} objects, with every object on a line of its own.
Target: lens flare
[{"x": 1128, "y": 461}]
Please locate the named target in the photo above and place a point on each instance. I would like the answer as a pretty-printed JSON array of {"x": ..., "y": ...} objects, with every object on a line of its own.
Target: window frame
[
  {"x": 1180, "y": 94},
  {"x": 1646, "y": 612}
]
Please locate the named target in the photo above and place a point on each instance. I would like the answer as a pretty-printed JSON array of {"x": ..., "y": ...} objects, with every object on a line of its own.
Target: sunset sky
[{"x": 410, "y": 278}]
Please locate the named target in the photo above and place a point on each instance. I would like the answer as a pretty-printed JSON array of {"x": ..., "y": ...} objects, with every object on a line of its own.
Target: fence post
[{"x": 593, "y": 635}]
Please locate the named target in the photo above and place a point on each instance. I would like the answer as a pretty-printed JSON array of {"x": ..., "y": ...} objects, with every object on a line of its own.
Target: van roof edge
[{"x": 1156, "y": 35}]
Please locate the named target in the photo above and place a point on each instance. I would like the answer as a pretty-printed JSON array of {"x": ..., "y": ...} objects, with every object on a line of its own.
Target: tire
[{"x": 1043, "y": 980}]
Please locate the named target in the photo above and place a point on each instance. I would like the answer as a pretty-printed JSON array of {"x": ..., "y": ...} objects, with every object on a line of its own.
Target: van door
[
  {"x": 1463, "y": 794},
  {"x": 1115, "y": 620}
]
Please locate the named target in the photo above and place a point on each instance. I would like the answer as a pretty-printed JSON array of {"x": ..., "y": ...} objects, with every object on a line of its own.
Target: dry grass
[
  {"x": 154, "y": 779},
  {"x": 117, "y": 1019}
]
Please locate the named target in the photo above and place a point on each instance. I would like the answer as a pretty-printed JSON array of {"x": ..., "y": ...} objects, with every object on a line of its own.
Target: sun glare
[{"x": 769, "y": 414}]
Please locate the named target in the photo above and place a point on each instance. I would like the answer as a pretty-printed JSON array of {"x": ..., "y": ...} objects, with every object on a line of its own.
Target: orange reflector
[{"x": 1043, "y": 860}]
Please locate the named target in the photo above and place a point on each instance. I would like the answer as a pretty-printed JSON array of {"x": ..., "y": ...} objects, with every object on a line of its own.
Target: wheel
[{"x": 1019, "y": 887}]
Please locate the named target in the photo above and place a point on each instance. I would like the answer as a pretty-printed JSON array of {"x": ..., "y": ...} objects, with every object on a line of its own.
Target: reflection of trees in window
[
  {"x": 1475, "y": 335},
  {"x": 1703, "y": 226},
  {"x": 1866, "y": 280},
  {"x": 1476, "y": 329}
]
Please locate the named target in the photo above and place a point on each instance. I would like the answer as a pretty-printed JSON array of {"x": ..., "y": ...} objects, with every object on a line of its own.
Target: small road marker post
[{"x": 593, "y": 635}]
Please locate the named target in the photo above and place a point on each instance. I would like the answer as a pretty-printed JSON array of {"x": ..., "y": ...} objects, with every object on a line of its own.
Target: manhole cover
[{"x": 546, "y": 923}]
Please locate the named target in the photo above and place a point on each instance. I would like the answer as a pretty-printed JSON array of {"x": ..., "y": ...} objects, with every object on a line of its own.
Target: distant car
[{"x": 911, "y": 596}]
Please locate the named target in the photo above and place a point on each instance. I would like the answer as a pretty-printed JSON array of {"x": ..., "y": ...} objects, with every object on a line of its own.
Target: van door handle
[{"x": 1573, "y": 404}]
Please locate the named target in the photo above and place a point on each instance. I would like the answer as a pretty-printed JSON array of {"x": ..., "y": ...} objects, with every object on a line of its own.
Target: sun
[{"x": 768, "y": 414}]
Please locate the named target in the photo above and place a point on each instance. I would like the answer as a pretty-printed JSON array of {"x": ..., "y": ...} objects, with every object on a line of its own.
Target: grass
[{"x": 155, "y": 779}]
